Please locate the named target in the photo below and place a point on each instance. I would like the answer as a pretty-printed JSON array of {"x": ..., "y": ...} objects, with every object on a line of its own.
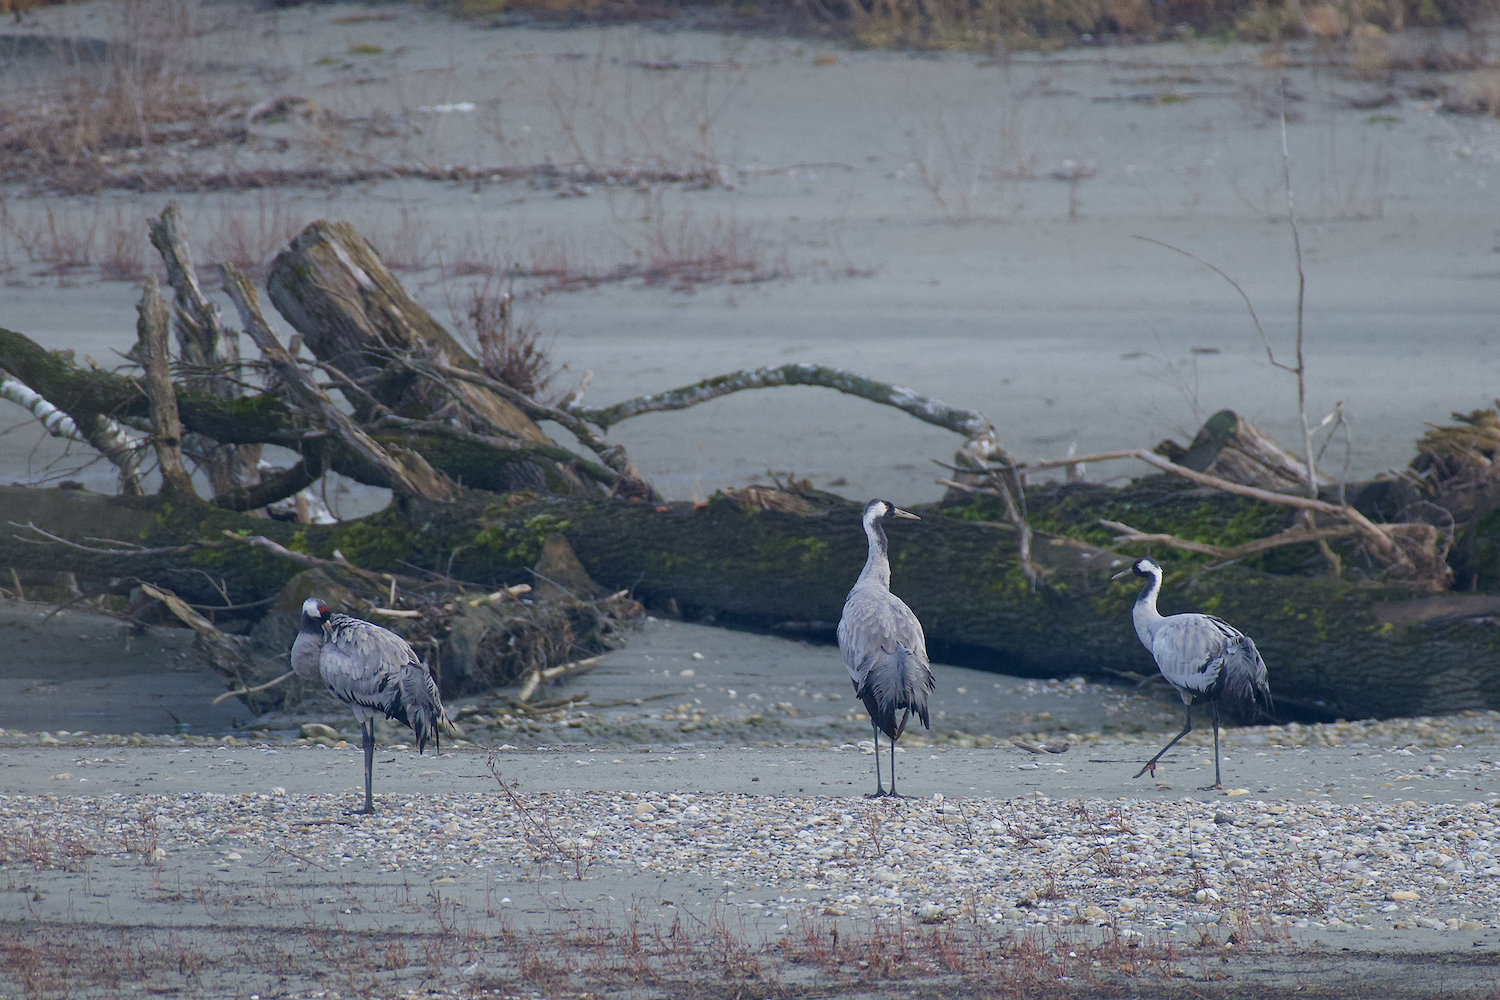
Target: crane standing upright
[
  {"x": 882, "y": 642},
  {"x": 371, "y": 669}
]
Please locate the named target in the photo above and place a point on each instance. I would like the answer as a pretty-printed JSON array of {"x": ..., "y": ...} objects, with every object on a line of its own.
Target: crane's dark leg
[
  {"x": 1217, "y": 783},
  {"x": 1187, "y": 727},
  {"x": 367, "y": 733},
  {"x": 893, "y": 767},
  {"x": 879, "y": 788}
]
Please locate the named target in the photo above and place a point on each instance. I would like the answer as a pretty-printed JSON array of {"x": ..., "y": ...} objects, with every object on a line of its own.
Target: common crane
[
  {"x": 371, "y": 669},
  {"x": 1204, "y": 658},
  {"x": 883, "y": 645}
]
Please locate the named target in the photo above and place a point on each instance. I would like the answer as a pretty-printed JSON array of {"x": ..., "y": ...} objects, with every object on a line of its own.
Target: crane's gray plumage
[
  {"x": 882, "y": 642},
  {"x": 371, "y": 669},
  {"x": 1204, "y": 658}
]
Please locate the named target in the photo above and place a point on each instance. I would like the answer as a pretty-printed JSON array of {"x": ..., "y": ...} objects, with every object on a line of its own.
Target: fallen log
[{"x": 1337, "y": 647}]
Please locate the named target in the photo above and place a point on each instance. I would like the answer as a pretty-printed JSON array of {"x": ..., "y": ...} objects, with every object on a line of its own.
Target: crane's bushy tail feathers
[{"x": 1247, "y": 694}]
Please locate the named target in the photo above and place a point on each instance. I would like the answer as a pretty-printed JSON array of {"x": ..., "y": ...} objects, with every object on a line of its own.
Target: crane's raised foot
[{"x": 1151, "y": 767}]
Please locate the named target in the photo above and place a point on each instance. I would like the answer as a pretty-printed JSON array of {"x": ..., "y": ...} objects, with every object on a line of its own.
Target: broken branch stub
[
  {"x": 166, "y": 425},
  {"x": 406, "y": 471},
  {"x": 332, "y": 287},
  {"x": 204, "y": 343}
]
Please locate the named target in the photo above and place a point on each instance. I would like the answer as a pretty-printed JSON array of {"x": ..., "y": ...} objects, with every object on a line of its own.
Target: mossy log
[{"x": 1334, "y": 647}]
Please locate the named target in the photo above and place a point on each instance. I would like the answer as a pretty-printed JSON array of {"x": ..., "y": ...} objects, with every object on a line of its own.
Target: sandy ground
[{"x": 906, "y": 206}]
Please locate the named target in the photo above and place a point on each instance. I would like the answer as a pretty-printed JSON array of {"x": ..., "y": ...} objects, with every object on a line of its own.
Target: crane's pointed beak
[
  {"x": 327, "y": 629},
  {"x": 1124, "y": 573},
  {"x": 898, "y": 512}
]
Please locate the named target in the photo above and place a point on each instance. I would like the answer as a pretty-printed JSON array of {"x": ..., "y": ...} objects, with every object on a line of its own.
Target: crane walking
[
  {"x": 883, "y": 645},
  {"x": 371, "y": 669},
  {"x": 1204, "y": 658}
]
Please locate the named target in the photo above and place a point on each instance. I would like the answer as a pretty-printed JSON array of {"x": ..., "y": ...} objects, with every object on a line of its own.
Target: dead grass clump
[
  {"x": 74, "y": 129},
  {"x": 248, "y": 236},
  {"x": 508, "y": 350}
]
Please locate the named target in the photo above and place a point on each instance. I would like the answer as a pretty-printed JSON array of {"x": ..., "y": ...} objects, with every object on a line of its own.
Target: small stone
[
  {"x": 233, "y": 856},
  {"x": 278, "y": 791},
  {"x": 1402, "y": 896},
  {"x": 697, "y": 656},
  {"x": 450, "y": 880},
  {"x": 1221, "y": 819},
  {"x": 48, "y": 739},
  {"x": 316, "y": 730},
  {"x": 643, "y": 809},
  {"x": 931, "y": 913},
  {"x": 159, "y": 855}
]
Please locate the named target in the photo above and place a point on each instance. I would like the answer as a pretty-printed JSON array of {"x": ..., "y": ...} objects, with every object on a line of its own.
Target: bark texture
[
  {"x": 1333, "y": 646},
  {"x": 332, "y": 286}
]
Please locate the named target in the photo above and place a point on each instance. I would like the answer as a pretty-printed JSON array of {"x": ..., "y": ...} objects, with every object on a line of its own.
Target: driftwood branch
[
  {"x": 1375, "y": 536},
  {"x": 506, "y": 446},
  {"x": 1013, "y": 514},
  {"x": 105, "y": 435},
  {"x": 1292, "y": 536},
  {"x": 407, "y": 473},
  {"x": 223, "y": 652},
  {"x": 278, "y": 485},
  {"x": 202, "y": 337},
  {"x": 268, "y": 685},
  {"x": 339, "y": 564},
  {"x": 50, "y": 539},
  {"x": 166, "y": 425},
  {"x": 611, "y": 455},
  {"x": 972, "y": 424},
  {"x": 207, "y": 347}
]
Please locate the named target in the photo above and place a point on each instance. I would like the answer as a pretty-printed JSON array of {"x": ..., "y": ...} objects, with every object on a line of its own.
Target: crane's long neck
[
  {"x": 1144, "y": 614},
  {"x": 877, "y": 563},
  {"x": 307, "y": 649}
]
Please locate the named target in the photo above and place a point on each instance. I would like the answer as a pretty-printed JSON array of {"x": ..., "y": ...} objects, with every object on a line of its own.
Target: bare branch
[
  {"x": 1376, "y": 536},
  {"x": 105, "y": 435},
  {"x": 50, "y": 539},
  {"x": 413, "y": 477},
  {"x": 224, "y": 653},
  {"x": 1013, "y": 514},
  {"x": 514, "y": 446},
  {"x": 1292, "y": 536},
  {"x": 166, "y": 425},
  {"x": 1270, "y": 355},
  {"x": 259, "y": 687},
  {"x": 612, "y": 455},
  {"x": 210, "y": 350},
  {"x": 303, "y": 559},
  {"x": 970, "y": 423}
]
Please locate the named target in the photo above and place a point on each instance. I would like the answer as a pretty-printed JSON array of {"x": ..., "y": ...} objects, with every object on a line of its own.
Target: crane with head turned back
[
  {"x": 1204, "y": 658},
  {"x": 882, "y": 642},
  {"x": 371, "y": 669}
]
